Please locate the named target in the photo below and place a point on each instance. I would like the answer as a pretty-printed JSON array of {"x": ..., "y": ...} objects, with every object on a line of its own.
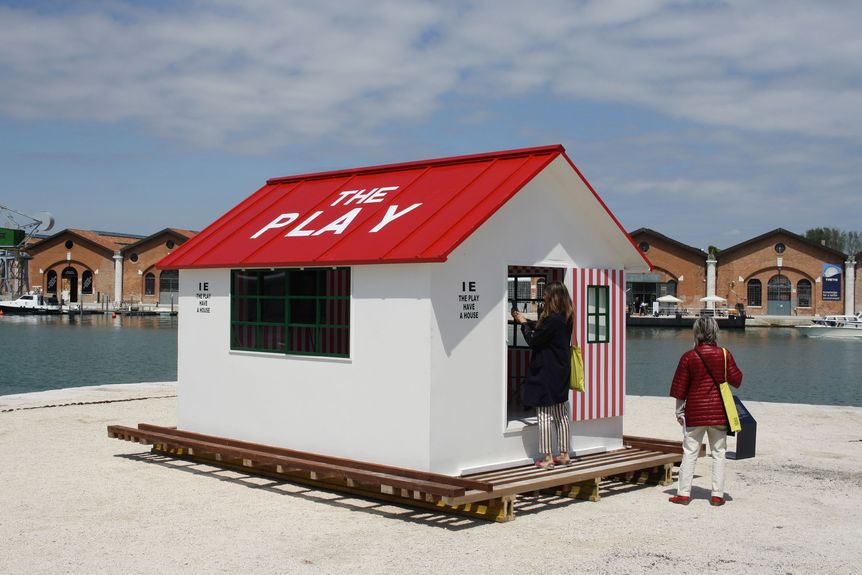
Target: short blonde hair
[{"x": 705, "y": 330}]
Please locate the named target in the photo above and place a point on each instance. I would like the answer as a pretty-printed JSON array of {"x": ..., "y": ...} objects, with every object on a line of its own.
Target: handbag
[
  {"x": 733, "y": 423},
  {"x": 576, "y": 377}
]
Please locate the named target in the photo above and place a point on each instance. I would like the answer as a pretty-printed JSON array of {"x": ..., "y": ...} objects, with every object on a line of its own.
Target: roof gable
[
  {"x": 107, "y": 241},
  {"x": 699, "y": 253},
  {"x": 411, "y": 212},
  {"x": 777, "y": 233},
  {"x": 179, "y": 234}
]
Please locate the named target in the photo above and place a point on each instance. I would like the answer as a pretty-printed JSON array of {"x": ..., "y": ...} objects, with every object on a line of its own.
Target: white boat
[
  {"x": 32, "y": 304},
  {"x": 838, "y": 326}
]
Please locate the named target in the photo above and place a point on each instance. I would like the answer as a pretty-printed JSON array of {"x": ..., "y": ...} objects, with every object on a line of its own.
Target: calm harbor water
[
  {"x": 52, "y": 352},
  {"x": 778, "y": 364}
]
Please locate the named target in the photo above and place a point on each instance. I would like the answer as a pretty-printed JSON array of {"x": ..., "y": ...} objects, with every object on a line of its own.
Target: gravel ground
[{"x": 74, "y": 501}]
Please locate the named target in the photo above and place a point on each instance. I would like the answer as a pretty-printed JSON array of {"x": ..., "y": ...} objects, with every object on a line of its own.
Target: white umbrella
[
  {"x": 668, "y": 299},
  {"x": 715, "y": 298}
]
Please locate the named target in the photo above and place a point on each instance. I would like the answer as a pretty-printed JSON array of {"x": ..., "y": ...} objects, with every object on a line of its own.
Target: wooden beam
[
  {"x": 309, "y": 456},
  {"x": 328, "y": 469}
]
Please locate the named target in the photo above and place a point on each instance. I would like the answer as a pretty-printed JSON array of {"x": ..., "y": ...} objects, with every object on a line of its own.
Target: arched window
[
  {"x": 150, "y": 284},
  {"x": 755, "y": 293},
  {"x": 51, "y": 286},
  {"x": 671, "y": 287},
  {"x": 803, "y": 293},
  {"x": 87, "y": 282}
]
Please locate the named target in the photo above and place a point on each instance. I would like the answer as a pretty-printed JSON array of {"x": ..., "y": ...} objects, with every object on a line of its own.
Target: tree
[
  {"x": 854, "y": 243},
  {"x": 843, "y": 241}
]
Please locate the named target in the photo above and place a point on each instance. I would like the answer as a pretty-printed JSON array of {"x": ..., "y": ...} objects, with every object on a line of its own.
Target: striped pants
[{"x": 553, "y": 416}]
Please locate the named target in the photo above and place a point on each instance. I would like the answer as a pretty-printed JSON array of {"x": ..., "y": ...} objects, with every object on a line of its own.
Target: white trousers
[{"x": 717, "y": 436}]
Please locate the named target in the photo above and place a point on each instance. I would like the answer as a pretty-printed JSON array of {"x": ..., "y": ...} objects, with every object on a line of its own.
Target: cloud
[{"x": 261, "y": 75}]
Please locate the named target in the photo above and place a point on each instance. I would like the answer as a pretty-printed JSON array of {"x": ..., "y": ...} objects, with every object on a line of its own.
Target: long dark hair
[{"x": 557, "y": 300}]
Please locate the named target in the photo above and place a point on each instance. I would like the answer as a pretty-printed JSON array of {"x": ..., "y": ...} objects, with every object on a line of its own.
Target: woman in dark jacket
[
  {"x": 547, "y": 384},
  {"x": 699, "y": 408}
]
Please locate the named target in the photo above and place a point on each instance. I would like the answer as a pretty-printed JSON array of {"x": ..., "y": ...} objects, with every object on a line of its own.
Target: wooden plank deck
[
  {"x": 528, "y": 478},
  {"x": 488, "y": 495}
]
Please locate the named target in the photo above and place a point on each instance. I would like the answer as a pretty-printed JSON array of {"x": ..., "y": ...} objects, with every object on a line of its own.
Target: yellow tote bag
[
  {"x": 727, "y": 399},
  {"x": 576, "y": 379}
]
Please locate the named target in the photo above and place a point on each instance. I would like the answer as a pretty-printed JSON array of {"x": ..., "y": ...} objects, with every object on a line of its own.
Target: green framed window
[
  {"x": 296, "y": 311},
  {"x": 598, "y": 314}
]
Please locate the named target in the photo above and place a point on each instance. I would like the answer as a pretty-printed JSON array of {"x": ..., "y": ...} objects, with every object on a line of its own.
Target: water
[
  {"x": 778, "y": 364},
  {"x": 53, "y": 352}
]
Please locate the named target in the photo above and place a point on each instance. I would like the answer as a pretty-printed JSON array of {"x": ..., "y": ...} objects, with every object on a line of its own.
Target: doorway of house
[{"x": 526, "y": 291}]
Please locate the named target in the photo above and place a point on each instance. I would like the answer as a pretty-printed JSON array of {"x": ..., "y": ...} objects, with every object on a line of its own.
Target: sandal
[
  {"x": 564, "y": 460},
  {"x": 544, "y": 464}
]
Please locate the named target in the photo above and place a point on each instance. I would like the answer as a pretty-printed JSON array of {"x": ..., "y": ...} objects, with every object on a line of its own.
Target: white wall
[
  {"x": 540, "y": 226},
  {"x": 373, "y": 406}
]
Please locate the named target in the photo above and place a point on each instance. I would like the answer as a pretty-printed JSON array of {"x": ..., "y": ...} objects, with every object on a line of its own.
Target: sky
[{"x": 709, "y": 121}]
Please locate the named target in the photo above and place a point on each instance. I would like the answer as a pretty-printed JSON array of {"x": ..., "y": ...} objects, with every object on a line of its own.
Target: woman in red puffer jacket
[{"x": 699, "y": 408}]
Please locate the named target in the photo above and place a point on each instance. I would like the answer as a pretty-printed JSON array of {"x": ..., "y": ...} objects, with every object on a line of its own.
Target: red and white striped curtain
[{"x": 604, "y": 363}]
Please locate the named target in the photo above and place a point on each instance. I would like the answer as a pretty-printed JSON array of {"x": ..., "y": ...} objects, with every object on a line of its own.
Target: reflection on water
[
  {"x": 51, "y": 352},
  {"x": 778, "y": 364}
]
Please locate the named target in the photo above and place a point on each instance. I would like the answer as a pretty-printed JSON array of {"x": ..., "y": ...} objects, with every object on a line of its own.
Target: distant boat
[
  {"x": 31, "y": 304},
  {"x": 834, "y": 326}
]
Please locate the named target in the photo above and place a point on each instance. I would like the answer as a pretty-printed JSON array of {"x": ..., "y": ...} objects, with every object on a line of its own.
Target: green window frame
[
  {"x": 294, "y": 311},
  {"x": 598, "y": 314}
]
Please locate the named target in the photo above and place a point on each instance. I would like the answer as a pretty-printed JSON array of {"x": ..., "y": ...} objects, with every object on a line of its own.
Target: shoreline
[
  {"x": 87, "y": 394},
  {"x": 107, "y": 393},
  {"x": 76, "y": 501}
]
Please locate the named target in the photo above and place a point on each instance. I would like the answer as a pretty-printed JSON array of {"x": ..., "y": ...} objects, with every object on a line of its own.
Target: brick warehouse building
[
  {"x": 782, "y": 273},
  {"x": 678, "y": 270},
  {"x": 776, "y": 273},
  {"x": 91, "y": 267}
]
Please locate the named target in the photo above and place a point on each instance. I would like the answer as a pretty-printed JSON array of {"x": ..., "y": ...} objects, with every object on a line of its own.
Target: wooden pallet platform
[
  {"x": 581, "y": 479},
  {"x": 490, "y": 495}
]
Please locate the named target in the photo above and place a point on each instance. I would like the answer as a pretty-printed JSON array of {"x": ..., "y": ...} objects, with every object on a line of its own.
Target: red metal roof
[{"x": 411, "y": 212}]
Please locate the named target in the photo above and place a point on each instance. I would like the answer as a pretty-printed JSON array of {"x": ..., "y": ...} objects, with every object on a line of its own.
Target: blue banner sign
[{"x": 831, "y": 282}]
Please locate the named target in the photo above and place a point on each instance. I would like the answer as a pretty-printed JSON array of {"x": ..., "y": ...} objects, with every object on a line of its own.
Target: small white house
[{"x": 365, "y": 313}]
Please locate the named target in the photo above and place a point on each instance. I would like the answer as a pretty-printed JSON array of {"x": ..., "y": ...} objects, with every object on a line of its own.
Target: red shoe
[
  {"x": 680, "y": 499},
  {"x": 716, "y": 501}
]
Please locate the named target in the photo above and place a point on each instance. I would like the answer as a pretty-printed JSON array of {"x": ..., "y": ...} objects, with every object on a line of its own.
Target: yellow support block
[
  {"x": 499, "y": 510},
  {"x": 586, "y": 490}
]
